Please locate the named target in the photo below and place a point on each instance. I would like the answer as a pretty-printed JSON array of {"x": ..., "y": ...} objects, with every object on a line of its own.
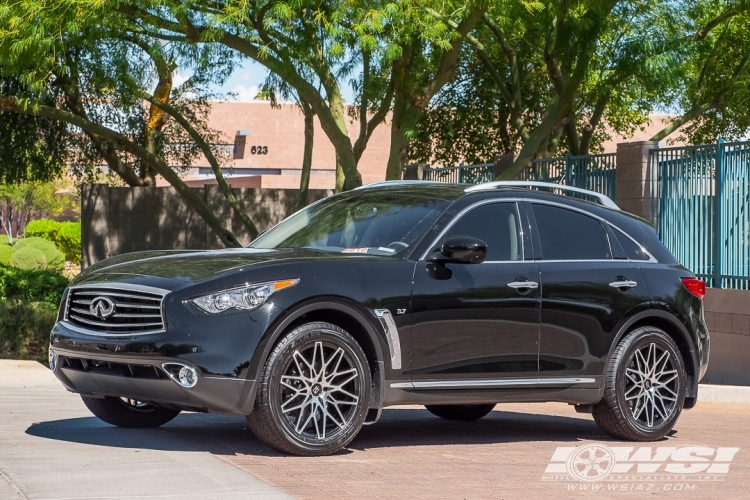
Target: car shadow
[{"x": 230, "y": 435}]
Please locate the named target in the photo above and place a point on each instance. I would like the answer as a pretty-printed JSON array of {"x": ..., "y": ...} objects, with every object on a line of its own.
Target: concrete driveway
[{"x": 52, "y": 448}]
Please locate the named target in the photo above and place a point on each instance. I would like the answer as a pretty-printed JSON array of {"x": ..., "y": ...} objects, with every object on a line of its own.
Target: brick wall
[
  {"x": 728, "y": 320},
  {"x": 117, "y": 220}
]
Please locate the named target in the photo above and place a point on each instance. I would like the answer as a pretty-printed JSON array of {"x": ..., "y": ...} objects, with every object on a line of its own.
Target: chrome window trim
[
  {"x": 391, "y": 334},
  {"x": 116, "y": 286},
  {"x": 492, "y": 383},
  {"x": 601, "y": 220},
  {"x": 463, "y": 212}
]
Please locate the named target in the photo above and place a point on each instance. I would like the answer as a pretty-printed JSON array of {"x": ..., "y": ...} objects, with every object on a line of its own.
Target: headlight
[{"x": 245, "y": 298}]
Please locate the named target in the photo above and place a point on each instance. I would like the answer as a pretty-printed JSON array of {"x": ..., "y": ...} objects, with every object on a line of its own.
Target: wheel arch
[
  {"x": 677, "y": 331},
  {"x": 340, "y": 312}
]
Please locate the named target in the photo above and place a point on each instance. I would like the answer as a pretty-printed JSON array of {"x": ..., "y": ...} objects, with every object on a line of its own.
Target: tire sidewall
[
  {"x": 663, "y": 340},
  {"x": 301, "y": 338}
]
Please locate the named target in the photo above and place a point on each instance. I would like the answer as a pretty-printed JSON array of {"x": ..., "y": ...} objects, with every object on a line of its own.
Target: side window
[
  {"x": 570, "y": 235},
  {"x": 633, "y": 250},
  {"x": 497, "y": 225}
]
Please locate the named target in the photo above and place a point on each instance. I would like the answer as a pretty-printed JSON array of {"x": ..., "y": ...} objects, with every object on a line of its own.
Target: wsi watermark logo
[{"x": 650, "y": 468}]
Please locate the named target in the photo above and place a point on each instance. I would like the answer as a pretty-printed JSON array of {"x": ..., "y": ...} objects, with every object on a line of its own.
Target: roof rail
[
  {"x": 602, "y": 199},
  {"x": 397, "y": 183}
]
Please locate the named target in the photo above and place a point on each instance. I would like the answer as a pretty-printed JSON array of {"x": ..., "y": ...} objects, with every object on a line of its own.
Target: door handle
[
  {"x": 623, "y": 284},
  {"x": 523, "y": 284}
]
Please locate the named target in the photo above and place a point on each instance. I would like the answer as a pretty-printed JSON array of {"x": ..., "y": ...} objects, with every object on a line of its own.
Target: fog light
[
  {"x": 188, "y": 377},
  {"x": 52, "y": 360}
]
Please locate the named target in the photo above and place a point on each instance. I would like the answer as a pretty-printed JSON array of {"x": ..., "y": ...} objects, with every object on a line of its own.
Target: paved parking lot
[{"x": 50, "y": 447}]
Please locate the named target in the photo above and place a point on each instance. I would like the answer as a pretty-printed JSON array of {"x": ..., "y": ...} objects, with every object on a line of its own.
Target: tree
[
  {"x": 19, "y": 201},
  {"x": 31, "y": 148},
  {"x": 598, "y": 63},
  {"x": 426, "y": 65},
  {"x": 103, "y": 76},
  {"x": 713, "y": 82}
]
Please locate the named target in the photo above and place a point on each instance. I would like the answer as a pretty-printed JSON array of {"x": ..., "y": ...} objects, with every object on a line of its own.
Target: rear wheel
[
  {"x": 645, "y": 387},
  {"x": 124, "y": 412},
  {"x": 460, "y": 412},
  {"x": 314, "y": 392}
]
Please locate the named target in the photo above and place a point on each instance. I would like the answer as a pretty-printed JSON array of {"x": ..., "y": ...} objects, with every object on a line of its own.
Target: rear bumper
[{"x": 146, "y": 380}]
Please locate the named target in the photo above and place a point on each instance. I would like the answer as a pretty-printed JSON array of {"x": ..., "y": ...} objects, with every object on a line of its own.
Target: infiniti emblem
[{"x": 102, "y": 307}]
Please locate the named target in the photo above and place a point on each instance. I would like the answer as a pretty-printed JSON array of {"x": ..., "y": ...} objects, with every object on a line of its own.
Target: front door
[{"x": 477, "y": 325}]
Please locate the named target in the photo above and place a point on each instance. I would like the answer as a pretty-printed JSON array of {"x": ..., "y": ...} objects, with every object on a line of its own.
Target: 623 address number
[{"x": 259, "y": 150}]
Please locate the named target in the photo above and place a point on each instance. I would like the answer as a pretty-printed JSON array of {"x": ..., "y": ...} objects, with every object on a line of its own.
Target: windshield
[{"x": 366, "y": 223}]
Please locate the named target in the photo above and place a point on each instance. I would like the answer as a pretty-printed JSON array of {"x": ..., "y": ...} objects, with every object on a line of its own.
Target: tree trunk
[
  {"x": 304, "y": 183},
  {"x": 405, "y": 117}
]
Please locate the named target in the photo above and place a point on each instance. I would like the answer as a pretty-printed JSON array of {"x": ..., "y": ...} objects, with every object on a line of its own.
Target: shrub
[
  {"x": 69, "y": 241},
  {"x": 24, "y": 329},
  {"x": 33, "y": 241},
  {"x": 5, "y": 254},
  {"x": 43, "y": 228},
  {"x": 54, "y": 259},
  {"x": 33, "y": 286},
  {"x": 28, "y": 258}
]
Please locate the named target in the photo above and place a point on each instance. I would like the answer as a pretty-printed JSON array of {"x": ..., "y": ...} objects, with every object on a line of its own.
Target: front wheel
[
  {"x": 460, "y": 412},
  {"x": 644, "y": 387},
  {"x": 314, "y": 392},
  {"x": 124, "y": 412}
]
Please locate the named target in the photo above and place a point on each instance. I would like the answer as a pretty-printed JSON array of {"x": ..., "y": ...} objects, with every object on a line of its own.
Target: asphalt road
[{"x": 52, "y": 448}]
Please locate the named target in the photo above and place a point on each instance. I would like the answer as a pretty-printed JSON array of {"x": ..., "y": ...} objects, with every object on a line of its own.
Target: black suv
[{"x": 443, "y": 295}]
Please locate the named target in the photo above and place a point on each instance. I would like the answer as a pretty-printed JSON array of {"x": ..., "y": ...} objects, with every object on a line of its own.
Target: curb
[{"x": 710, "y": 393}]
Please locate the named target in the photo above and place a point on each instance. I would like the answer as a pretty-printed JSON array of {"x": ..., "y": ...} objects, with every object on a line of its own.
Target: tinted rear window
[
  {"x": 633, "y": 251},
  {"x": 569, "y": 235}
]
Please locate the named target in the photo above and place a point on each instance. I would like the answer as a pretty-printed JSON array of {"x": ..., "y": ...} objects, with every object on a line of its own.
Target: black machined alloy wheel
[
  {"x": 314, "y": 393},
  {"x": 461, "y": 412},
  {"x": 124, "y": 412},
  {"x": 645, "y": 387}
]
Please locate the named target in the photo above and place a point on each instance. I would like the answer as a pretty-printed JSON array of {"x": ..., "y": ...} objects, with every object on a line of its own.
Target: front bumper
[{"x": 147, "y": 380}]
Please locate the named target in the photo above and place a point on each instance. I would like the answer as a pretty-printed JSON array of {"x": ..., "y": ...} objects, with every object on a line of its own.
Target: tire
[
  {"x": 128, "y": 413},
  {"x": 466, "y": 413},
  {"x": 644, "y": 389},
  {"x": 313, "y": 412}
]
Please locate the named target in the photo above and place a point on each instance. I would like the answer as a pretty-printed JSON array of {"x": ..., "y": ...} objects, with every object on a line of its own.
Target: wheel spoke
[
  {"x": 318, "y": 349},
  {"x": 662, "y": 361},
  {"x": 672, "y": 395},
  {"x": 634, "y": 375},
  {"x": 337, "y": 357},
  {"x": 659, "y": 402},
  {"x": 297, "y": 356}
]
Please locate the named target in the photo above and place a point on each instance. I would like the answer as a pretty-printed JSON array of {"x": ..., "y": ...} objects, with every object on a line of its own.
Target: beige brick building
[
  {"x": 273, "y": 148},
  {"x": 274, "y": 140}
]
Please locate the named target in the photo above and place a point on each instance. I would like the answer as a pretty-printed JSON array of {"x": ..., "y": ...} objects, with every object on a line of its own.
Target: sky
[{"x": 249, "y": 76}]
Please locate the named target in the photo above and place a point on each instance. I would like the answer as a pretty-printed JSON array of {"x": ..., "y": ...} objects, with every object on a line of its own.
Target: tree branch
[
  {"x": 11, "y": 103},
  {"x": 215, "y": 167}
]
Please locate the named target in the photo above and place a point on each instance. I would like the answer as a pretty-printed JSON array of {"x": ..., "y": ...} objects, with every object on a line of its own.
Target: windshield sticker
[
  {"x": 355, "y": 250},
  {"x": 386, "y": 250}
]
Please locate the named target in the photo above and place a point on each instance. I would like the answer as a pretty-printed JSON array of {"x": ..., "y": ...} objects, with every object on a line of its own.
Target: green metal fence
[
  {"x": 592, "y": 172},
  {"x": 701, "y": 209},
  {"x": 469, "y": 174}
]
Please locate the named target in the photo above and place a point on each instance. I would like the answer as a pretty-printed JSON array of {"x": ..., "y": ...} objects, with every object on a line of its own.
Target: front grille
[{"x": 114, "y": 311}]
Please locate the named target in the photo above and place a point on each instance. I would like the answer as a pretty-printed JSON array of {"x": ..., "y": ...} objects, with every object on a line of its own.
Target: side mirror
[{"x": 465, "y": 249}]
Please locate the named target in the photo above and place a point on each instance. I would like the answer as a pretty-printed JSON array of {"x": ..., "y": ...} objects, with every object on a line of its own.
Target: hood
[{"x": 195, "y": 265}]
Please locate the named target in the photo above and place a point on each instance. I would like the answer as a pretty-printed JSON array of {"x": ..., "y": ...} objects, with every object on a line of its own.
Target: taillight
[{"x": 695, "y": 286}]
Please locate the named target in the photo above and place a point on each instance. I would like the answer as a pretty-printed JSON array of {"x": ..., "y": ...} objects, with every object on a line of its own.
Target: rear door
[{"x": 586, "y": 291}]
